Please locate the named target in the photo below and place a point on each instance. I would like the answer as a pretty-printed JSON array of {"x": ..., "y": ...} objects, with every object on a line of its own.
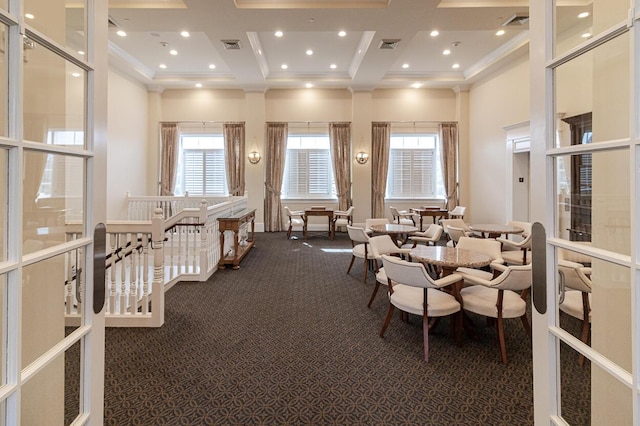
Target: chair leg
[
  {"x": 373, "y": 295},
  {"x": 353, "y": 258},
  {"x": 525, "y": 324},
  {"x": 289, "y": 232},
  {"x": 425, "y": 335},
  {"x": 365, "y": 267},
  {"x": 584, "y": 337},
  {"x": 503, "y": 348},
  {"x": 387, "y": 320}
]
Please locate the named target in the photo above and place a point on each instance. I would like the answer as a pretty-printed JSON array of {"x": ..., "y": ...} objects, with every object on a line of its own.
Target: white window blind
[
  {"x": 202, "y": 169},
  {"x": 413, "y": 167},
  {"x": 308, "y": 172}
]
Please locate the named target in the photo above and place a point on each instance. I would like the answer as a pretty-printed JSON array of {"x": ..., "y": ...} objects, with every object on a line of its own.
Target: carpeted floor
[{"x": 288, "y": 340}]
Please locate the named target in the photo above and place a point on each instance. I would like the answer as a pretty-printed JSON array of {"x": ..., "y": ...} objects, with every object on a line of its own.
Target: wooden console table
[
  {"x": 234, "y": 222},
  {"x": 318, "y": 212}
]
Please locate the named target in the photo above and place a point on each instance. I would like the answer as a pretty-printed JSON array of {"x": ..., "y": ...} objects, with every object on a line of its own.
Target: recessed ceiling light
[
  {"x": 333, "y": 66},
  {"x": 586, "y": 35},
  {"x": 173, "y": 52},
  {"x": 583, "y": 15},
  {"x": 434, "y": 33},
  {"x": 308, "y": 85},
  {"x": 260, "y": 52},
  {"x": 29, "y": 16},
  {"x": 284, "y": 66},
  {"x": 163, "y": 66},
  {"x": 309, "y": 52},
  {"x": 185, "y": 34},
  {"x": 278, "y": 34},
  {"x": 121, "y": 33},
  {"x": 455, "y": 66},
  {"x": 80, "y": 52},
  {"x": 416, "y": 85},
  {"x": 446, "y": 52},
  {"x": 198, "y": 85},
  {"x": 500, "y": 32},
  {"x": 75, "y": 74},
  {"x": 342, "y": 33},
  {"x": 212, "y": 67},
  {"x": 405, "y": 66}
]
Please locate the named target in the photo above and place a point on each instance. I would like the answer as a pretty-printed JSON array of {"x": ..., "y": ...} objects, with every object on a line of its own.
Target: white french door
[
  {"x": 585, "y": 94},
  {"x": 52, "y": 159}
]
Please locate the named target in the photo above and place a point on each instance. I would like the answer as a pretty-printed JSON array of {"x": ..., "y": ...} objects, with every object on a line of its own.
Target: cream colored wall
[
  {"x": 494, "y": 103},
  {"x": 127, "y": 148}
]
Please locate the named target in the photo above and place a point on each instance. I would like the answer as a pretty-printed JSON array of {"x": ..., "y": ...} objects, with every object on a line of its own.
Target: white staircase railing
[{"x": 145, "y": 258}]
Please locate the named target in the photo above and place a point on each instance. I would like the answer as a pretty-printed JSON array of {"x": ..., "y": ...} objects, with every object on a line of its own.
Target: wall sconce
[
  {"x": 254, "y": 157},
  {"x": 362, "y": 157}
]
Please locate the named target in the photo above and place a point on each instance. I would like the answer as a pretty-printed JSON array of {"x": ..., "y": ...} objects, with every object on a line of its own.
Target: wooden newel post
[{"x": 157, "y": 293}]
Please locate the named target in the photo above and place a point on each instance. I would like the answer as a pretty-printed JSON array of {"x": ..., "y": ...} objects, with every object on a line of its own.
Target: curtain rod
[{"x": 421, "y": 122}]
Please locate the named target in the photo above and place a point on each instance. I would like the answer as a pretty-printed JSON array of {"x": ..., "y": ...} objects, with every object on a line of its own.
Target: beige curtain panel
[
  {"x": 340, "y": 137},
  {"x": 380, "y": 141},
  {"x": 275, "y": 154},
  {"x": 449, "y": 158},
  {"x": 169, "y": 166},
  {"x": 234, "y": 156}
]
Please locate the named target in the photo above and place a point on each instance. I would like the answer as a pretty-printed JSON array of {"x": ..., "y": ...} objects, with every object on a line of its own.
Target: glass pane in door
[
  {"x": 52, "y": 199},
  {"x": 575, "y": 386},
  {"x": 55, "y": 98},
  {"x": 63, "y": 22},
  {"x": 4, "y": 191},
  {"x": 4, "y": 87},
  {"x": 592, "y": 199},
  {"x": 594, "y": 86},
  {"x": 577, "y": 22}
]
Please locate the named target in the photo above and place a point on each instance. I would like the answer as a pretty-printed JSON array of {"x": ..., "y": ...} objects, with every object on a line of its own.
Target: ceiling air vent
[
  {"x": 389, "y": 43},
  {"x": 231, "y": 44},
  {"x": 517, "y": 19}
]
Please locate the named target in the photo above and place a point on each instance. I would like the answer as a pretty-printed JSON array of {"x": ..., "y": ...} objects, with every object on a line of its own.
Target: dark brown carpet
[{"x": 288, "y": 340}]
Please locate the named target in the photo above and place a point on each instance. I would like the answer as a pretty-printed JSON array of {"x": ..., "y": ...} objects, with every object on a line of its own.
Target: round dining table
[
  {"x": 448, "y": 259},
  {"x": 494, "y": 230},
  {"x": 399, "y": 233}
]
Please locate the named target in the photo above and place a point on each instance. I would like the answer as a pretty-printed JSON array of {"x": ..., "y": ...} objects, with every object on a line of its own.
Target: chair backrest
[
  {"x": 524, "y": 225},
  {"x": 434, "y": 231},
  {"x": 514, "y": 278},
  {"x": 382, "y": 244},
  {"x": 368, "y": 223},
  {"x": 488, "y": 246},
  {"x": 348, "y": 212},
  {"x": 288, "y": 211},
  {"x": 458, "y": 211},
  {"x": 574, "y": 276},
  {"x": 455, "y": 228},
  {"x": 357, "y": 235},
  {"x": 407, "y": 273}
]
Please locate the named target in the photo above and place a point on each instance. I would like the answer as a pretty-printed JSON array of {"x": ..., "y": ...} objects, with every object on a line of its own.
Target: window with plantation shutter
[
  {"x": 201, "y": 169},
  {"x": 308, "y": 173},
  {"x": 413, "y": 167}
]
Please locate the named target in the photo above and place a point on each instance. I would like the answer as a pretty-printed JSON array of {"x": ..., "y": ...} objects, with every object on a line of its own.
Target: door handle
[
  {"x": 539, "y": 267},
  {"x": 99, "y": 266}
]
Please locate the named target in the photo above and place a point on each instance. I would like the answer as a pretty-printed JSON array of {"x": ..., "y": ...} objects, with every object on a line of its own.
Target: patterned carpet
[{"x": 288, "y": 340}]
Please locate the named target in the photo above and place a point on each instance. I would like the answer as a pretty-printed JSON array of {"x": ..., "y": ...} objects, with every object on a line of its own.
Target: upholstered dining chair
[
  {"x": 360, "y": 248},
  {"x": 412, "y": 290},
  {"x": 454, "y": 229},
  {"x": 429, "y": 237},
  {"x": 497, "y": 297},
  {"x": 457, "y": 212},
  {"x": 295, "y": 220},
  {"x": 343, "y": 217},
  {"x": 517, "y": 250},
  {"x": 487, "y": 246},
  {"x": 403, "y": 217},
  {"x": 575, "y": 296},
  {"x": 383, "y": 245}
]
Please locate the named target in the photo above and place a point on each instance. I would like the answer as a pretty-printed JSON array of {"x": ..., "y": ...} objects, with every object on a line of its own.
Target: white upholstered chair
[
  {"x": 360, "y": 248},
  {"x": 429, "y": 237},
  {"x": 498, "y": 297},
  {"x": 383, "y": 245},
  {"x": 412, "y": 290},
  {"x": 575, "y": 295},
  {"x": 343, "y": 217},
  {"x": 517, "y": 249},
  {"x": 457, "y": 212},
  {"x": 454, "y": 229},
  {"x": 295, "y": 220},
  {"x": 403, "y": 217},
  {"x": 487, "y": 246}
]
